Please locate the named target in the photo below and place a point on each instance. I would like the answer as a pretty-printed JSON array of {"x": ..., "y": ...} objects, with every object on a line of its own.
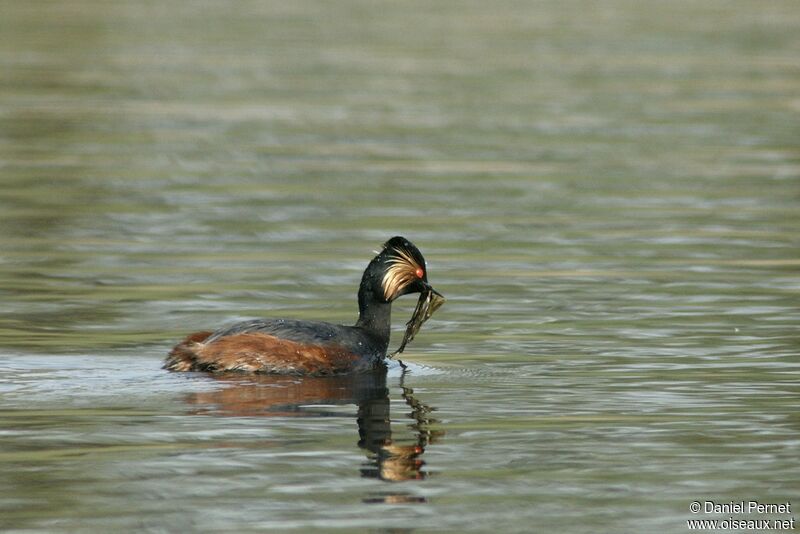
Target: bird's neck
[{"x": 374, "y": 314}]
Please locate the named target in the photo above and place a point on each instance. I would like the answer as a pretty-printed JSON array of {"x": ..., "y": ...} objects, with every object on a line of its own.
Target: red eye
[{"x": 419, "y": 272}]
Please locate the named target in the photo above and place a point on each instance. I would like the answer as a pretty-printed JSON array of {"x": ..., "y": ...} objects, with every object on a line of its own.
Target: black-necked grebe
[{"x": 288, "y": 346}]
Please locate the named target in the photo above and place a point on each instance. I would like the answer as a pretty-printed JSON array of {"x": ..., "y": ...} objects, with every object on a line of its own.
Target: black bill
[{"x": 429, "y": 301}]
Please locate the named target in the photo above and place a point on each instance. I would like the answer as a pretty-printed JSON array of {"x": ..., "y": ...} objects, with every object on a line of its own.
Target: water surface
[{"x": 607, "y": 194}]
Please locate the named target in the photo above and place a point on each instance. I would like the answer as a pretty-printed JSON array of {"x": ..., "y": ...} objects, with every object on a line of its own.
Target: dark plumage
[{"x": 289, "y": 346}]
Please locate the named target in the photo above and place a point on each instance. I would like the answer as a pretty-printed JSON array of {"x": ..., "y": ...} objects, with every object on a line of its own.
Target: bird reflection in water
[{"x": 388, "y": 458}]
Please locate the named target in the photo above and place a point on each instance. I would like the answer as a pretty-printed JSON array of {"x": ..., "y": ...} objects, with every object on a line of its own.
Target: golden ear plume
[{"x": 402, "y": 269}]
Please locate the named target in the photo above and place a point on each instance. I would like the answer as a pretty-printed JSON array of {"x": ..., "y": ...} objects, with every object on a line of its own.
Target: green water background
[{"x": 607, "y": 193}]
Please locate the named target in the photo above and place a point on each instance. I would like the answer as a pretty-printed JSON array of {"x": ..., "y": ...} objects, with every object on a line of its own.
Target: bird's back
[{"x": 278, "y": 346}]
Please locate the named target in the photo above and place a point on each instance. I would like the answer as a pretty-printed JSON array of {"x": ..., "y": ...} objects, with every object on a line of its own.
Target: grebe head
[{"x": 399, "y": 269}]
